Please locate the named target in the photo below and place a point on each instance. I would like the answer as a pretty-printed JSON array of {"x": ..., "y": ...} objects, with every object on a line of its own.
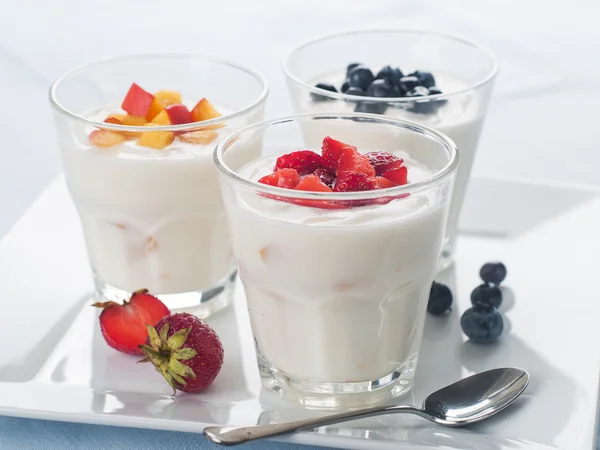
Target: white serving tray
[{"x": 55, "y": 364}]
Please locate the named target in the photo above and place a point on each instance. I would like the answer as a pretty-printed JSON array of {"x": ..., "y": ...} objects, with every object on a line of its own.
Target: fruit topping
[
  {"x": 382, "y": 161},
  {"x": 425, "y": 79},
  {"x": 482, "y": 323},
  {"x": 312, "y": 183},
  {"x": 137, "y": 101},
  {"x": 353, "y": 182},
  {"x": 440, "y": 299},
  {"x": 204, "y": 110},
  {"x": 304, "y": 161},
  {"x": 156, "y": 139},
  {"x": 493, "y": 272},
  {"x": 331, "y": 150},
  {"x": 351, "y": 160},
  {"x": 325, "y": 177},
  {"x": 185, "y": 350},
  {"x": 409, "y": 82},
  {"x": 356, "y": 91},
  {"x": 485, "y": 293},
  {"x": 326, "y": 87},
  {"x": 168, "y": 98},
  {"x": 370, "y": 107},
  {"x": 155, "y": 108},
  {"x": 179, "y": 114},
  {"x": 200, "y": 137},
  {"x": 124, "y": 326},
  {"x": 162, "y": 118},
  {"x": 379, "y": 88},
  {"x": 398, "y": 176},
  {"x": 106, "y": 138},
  {"x": 360, "y": 77},
  {"x": 351, "y": 67},
  {"x": 381, "y": 183},
  {"x": 283, "y": 178}
]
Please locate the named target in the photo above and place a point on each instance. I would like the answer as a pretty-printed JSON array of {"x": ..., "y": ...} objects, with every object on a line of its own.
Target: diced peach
[
  {"x": 155, "y": 108},
  {"x": 168, "y": 98},
  {"x": 156, "y": 139},
  {"x": 204, "y": 111},
  {"x": 134, "y": 121},
  {"x": 137, "y": 101},
  {"x": 115, "y": 118},
  {"x": 106, "y": 138},
  {"x": 162, "y": 118},
  {"x": 179, "y": 114},
  {"x": 200, "y": 137}
]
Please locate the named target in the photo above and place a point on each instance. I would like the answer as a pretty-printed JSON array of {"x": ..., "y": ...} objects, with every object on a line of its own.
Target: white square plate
[{"x": 55, "y": 364}]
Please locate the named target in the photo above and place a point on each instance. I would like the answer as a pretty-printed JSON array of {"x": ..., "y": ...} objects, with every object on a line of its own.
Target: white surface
[{"x": 60, "y": 368}]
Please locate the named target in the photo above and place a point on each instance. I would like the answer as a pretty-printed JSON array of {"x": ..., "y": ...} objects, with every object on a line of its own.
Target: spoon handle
[{"x": 237, "y": 435}]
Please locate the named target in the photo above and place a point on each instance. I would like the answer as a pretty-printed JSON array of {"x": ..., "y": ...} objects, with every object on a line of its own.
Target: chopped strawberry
[
  {"x": 312, "y": 183},
  {"x": 124, "y": 326},
  {"x": 325, "y": 177},
  {"x": 137, "y": 101},
  {"x": 382, "y": 183},
  {"x": 304, "y": 161},
  {"x": 283, "y": 178},
  {"x": 352, "y": 160},
  {"x": 383, "y": 161},
  {"x": 398, "y": 176},
  {"x": 331, "y": 152},
  {"x": 353, "y": 181},
  {"x": 179, "y": 114}
]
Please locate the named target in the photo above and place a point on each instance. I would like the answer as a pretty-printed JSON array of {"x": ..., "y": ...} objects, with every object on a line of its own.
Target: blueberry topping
[
  {"x": 345, "y": 86},
  {"x": 440, "y": 299},
  {"x": 409, "y": 82},
  {"x": 424, "y": 107},
  {"x": 326, "y": 87},
  {"x": 355, "y": 91},
  {"x": 434, "y": 91},
  {"x": 388, "y": 75},
  {"x": 418, "y": 91},
  {"x": 488, "y": 294},
  {"x": 379, "y": 88},
  {"x": 370, "y": 107},
  {"x": 351, "y": 67},
  {"x": 482, "y": 323},
  {"x": 493, "y": 273},
  {"x": 361, "y": 77},
  {"x": 426, "y": 79}
]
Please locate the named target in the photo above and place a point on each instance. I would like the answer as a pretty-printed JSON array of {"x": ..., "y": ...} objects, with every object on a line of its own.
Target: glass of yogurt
[
  {"x": 337, "y": 283},
  {"x": 458, "y": 76},
  {"x": 136, "y": 135}
]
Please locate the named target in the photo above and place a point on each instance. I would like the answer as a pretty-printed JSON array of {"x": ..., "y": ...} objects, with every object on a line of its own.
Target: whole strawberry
[
  {"x": 124, "y": 326},
  {"x": 185, "y": 350}
]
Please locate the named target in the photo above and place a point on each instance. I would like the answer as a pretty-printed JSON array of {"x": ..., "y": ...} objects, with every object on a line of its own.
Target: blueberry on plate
[
  {"x": 345, "y": 86},
  {"x": 326, "y": 87},
  {"x": 350, "y": 67},
  {"x": 370, "y": 107},
  {"x": 361, "y": 77},
  {"x": 379, "y": 88},
  {"x": 440, "y": 299},
  {"x": 409, "y": 82},
  {"x": 355, "y": 91},
  {"x": 482, "y": 323},
  {"x": 386, "y": 74},
  {"x": 493, "y": 273},
  {"x": 486, "y": 293},
  {"x": 426, "y": 79}
]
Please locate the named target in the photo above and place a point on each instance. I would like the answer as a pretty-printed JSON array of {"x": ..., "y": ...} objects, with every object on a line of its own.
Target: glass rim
[
  {"x": 438, "y": 177},
  {"x": 340, "y": 96},
  {"x": 57, "y": 105}
]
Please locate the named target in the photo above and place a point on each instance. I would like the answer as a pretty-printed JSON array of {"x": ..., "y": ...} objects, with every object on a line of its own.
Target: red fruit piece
[
  {"x": 185, "y": 350},
  {"x": 137, "y": 101},
  {"x": 283, "y": 178},
  {"x": 312, "y": 183},
  {"x": 382, "y": 183},
  {"x": 179, "y": 114},
  {"x": 304, "y": 161},
  {"x": 398, "y": 176},
  {"x": 331, "y": 150},
  {"x": 353, "y": 161},
  {"x": 353, "y": 181},
  {"x": 325, "y": 177},
  {"x": 124, "y": 326},
  {"x": 382, "y": 161}
]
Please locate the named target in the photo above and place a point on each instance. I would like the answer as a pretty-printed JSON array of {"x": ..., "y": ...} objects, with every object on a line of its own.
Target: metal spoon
[{"x": 467, "y": 401}]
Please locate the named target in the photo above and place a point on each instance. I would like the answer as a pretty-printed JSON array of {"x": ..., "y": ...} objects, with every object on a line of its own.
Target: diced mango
[
  {"x": 204, "y": 111},
  {"x": 134, "y": 121},
  {"x": 137, "y": 102},
  {"x": 106, "y": 138},
  {"x": 162, "y": 118},
  {"x": 201, "y": 137},
  {"x": 115, "y": 118},
  {"x": 168, "y": 98},
  {"x": 156, "y": 139},
  {"x": 155, "y": 108}
]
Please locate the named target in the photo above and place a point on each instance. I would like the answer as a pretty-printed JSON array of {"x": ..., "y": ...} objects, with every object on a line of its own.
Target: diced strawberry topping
[
  {"x": 325, "y": 177},
  {"x": 383, "y": 161},
  {"x": 179, "y": 114},
  {"x": 352, "y": 182},
  {"x": 312, "y": 183},
  {"x": 283, "y": 178},
  {"x": 382, "y": 183},
  {"x": 304, "y": 161},
  {"x": 398, "y": 175},
  {"x": 331, "y": 151},
  {"x": 137, "y": 101},
  {"x": 352, "y": 160}
]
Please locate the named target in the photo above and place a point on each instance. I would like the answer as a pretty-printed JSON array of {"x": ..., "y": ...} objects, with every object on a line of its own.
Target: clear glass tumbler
[
  {"x": 152, "y": 217},
  {"x": 463, "y": 71},
  {"x": 337, "y": 284}
]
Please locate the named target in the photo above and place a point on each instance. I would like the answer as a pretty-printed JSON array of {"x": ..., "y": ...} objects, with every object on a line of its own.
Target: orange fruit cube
[
  {"x": 134, "y": 121},
  {"x": 162, "y": 118},
  {"x": 155, "y": 108},
  {"x": 204, "y": 111},
  {"x": 156, "y": 139},
  {"x": 168, "y": 98},
  {"x": 201, "y": 137},
  {"x": 106, "y": 138}
]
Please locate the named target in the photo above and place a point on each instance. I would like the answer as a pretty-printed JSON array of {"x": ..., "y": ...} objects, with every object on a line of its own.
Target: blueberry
[
  {"x": 440, "y": 299},
  {"x": 418, "y": 91},
  {"x": 370, "y": 107},
  {"x": 493, "y": 273},
  {"x": 326, "y": 87},
  {"x": 482, "y": 323},
  {"x": 426, "y": 79},
  {"x": 409, "y": 82},
  {"x": 345, "y": 86},
  {"x": 379, "y": 88},
  {"x": 424, "y": 107},
  {"x": 361, "y": 77},
  {"x": 385, "y": 74},
  {"x": 434, "y": 90},
  {"x": 355, "y": 91},
  {"x": 485, "y": 293},
  {"x": 350, "y": 67}
]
